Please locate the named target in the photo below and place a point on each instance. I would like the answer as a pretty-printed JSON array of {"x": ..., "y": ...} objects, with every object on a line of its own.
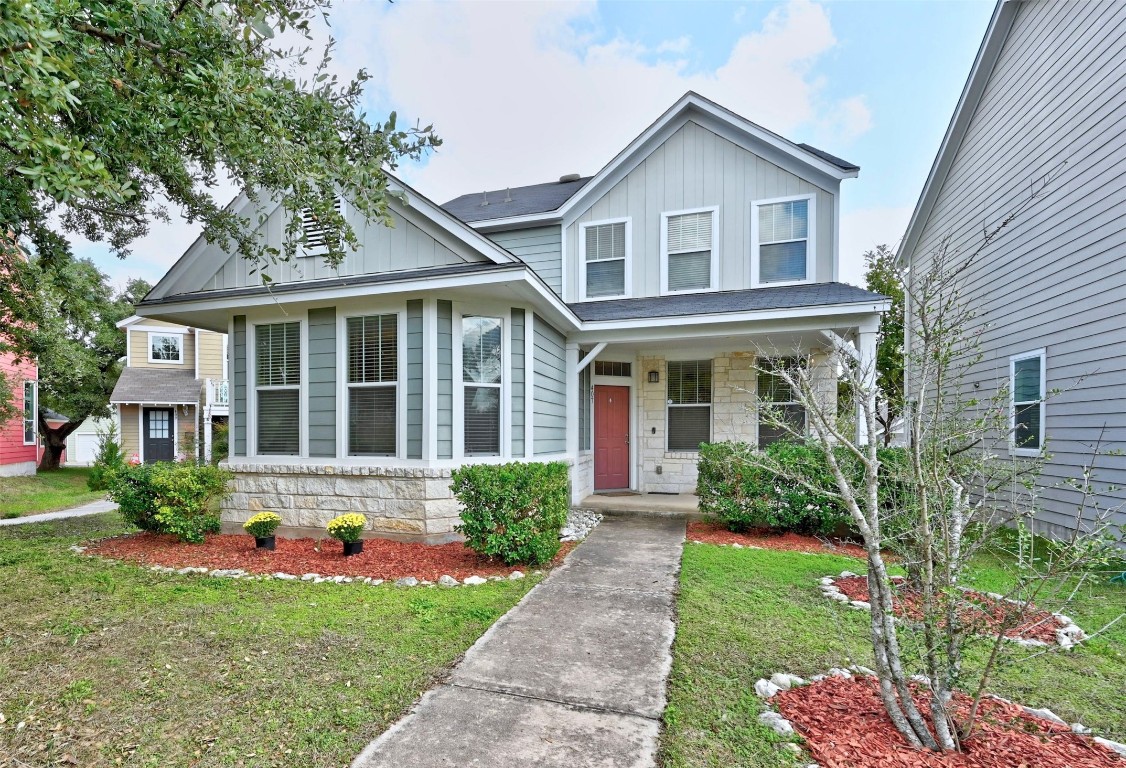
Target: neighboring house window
[
  {"x": 778, "y": 400},
  {"x": 605, "y": 259},
  {"x": 481, "y": 370},
  {"x": 689, "y": 260},
  {"x": 315, "y": 232},
  {"x": 277, "y": 362},
  {"x": 166, "y": 348},
  {"x": 30, "y": 412},
  {"x": 782, "y": 241},
  {"x": 1026, "y": 385},
  {"x": 689, "y": 404},
  {"x": 373, "y": 376}
]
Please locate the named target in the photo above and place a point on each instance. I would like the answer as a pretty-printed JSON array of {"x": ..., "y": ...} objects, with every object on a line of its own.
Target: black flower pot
[
  {"x": 265, "y": 542},
  {"x": 353, "y": 548}
]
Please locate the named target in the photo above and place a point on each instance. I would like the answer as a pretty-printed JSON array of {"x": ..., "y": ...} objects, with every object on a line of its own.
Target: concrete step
[{"x": 684, "y": 505}]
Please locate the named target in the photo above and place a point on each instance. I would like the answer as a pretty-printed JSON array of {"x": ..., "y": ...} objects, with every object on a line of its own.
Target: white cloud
[
  {"x": 865, "y": 228},
  {"x": 679, "y": 45}
]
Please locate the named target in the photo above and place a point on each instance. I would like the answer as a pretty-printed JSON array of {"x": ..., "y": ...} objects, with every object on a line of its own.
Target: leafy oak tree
[{"x": 882, "y": 276}]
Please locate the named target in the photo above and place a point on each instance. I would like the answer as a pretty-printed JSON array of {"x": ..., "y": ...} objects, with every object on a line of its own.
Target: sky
[{"x": 524, "y": 92}]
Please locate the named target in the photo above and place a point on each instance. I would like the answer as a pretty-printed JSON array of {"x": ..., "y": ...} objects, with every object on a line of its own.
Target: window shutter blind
[
  {"x": 372, "y": 421},
  {"x": 780, "y": 262},
  {"x": 480, "y": 350},
  {"x": 1026, "y": 380},
  {"x": 690, "y": 232},
  {"x": 606, "y": 241},
  {"x": 279, "y": 421},
  {"x": 605, "y": 278},
  {"x": 278, "y": 355},
  {"x": 689, "y": 409},
  {"x": 373, "y": 349},
  {"x": 690, "y": 382},
  {"x": 277, "y": 352},
  {"x": 690, "y": 271},
  {"x": 316, "y": 235},
  {"x": 689, "y": 252},
  {"x": 606, "y": 260},
  {"x": 783, "y": 241},
  {"x": 482, "y": 421}
]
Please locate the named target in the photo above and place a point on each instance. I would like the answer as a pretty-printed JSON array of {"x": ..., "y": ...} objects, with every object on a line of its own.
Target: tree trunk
[{"x": 54, "y": 443}]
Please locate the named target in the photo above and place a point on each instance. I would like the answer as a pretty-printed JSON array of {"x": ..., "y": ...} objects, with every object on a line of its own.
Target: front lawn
[
  {"x": 46, "y": 492},
  {"x": 744, "y": 614},
  {"x": 108, "y": 663}
]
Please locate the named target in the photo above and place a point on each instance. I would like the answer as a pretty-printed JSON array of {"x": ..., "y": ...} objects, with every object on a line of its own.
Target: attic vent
[
  {"x": 569, "y": 177},
  {"x": 316, "y": 234}
]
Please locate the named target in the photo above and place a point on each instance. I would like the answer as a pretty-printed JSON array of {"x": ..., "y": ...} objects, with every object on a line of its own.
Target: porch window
[
  {"x": 782, "y": 240},
  {"x": 689, "y": 404},
  {"x": 373, "y": 377},
  {"x": 586, "y": 397},
  {"x": 166, "y": 348},
  {"x": 605, "y": 251},
  {"x": 277, "y": 380},
  {"x": 778, "y": 400},
  {"x": 1026, "y": 385},
  {"x": 314, "y": 231},
  {"x": 482, "y": 367},
  {"x": 30, "y": 412},
  {"x": 689, "y": 250}
]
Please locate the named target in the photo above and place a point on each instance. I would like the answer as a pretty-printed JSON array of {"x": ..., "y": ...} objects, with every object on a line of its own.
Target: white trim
[
  {"x": 503, "y": 315},
  {"x": 141, "y": 427},
  {"x": 627, "y": 271},
  {"x": 34, "y": 412},
  {"x": 195, "y": 355},
  {"x": 343, "y": 386},
  {"x": 634, "y": 475},
  {"x": 1041, "y": 355},
  {"x": 810, "y": 241},
  {"x": 252, "y": 387},
  {"x": 529, "y": 383},
  {"x": 179, "y": 335},
  {"x": 714, "y": 277},
  {"x": 668, "y": 405},
  {"x": 430, "y": 378}
]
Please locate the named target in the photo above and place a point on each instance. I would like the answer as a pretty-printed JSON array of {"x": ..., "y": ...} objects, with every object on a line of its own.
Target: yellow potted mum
[
  {"x": 262, "y": 527},
  {"x": 348, "y": 529}
]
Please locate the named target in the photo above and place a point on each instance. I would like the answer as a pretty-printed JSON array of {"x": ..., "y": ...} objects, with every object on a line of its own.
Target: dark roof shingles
[
  {"x": 844, "y": 165},
  {"x": 151, "y": 385},
  {"x": 536, "y": 198}
]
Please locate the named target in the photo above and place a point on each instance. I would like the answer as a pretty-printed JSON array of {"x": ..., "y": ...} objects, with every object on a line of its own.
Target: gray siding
[
  {"x": 549, "y": 426},
  {"x": 541, "y": 248},
  {"x": 322, "y": 382},
  {"x": 519, "y": 379},
  {"x": 445, "y": 381},
  {"x": 696, "y": 168},
  {"x": 414, "y": 379},
  {"x": 1057, "y": 278},
  {"x": 237, "y": 367}
]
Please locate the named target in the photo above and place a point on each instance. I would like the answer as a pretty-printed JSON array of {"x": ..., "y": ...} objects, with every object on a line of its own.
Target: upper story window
[
  {"x": 315, "y": 232},
  {"x": 482, "y": 370},
  {"x": 689, "y": 404},
  {"x": 781, "y": 414},
  {"x": 373, "y": 378},
  {"x": 1026, "y": 413},
  {"x": 604, "y": 259},
  {"x": 782, "y": 240},
  {"x": 689, "y": 258},
  {"x": 166, "y": 348},
  {"x": 277, "y": 383},
  {"x": 30, "y": 412}
]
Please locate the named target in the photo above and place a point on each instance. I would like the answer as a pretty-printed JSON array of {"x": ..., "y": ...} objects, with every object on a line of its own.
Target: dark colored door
[
  {"x": 159, "y": 435},
  {"x": 611, "y": 438}
]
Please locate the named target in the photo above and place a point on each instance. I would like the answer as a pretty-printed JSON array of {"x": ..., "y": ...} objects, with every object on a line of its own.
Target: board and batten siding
[
  {"x": 322, "y": 382},
  {"x": 541, "y": 248},
  {"x": 1056, "y": 279},
  {"x": 414, "y": 379},
  {"x": 445, "y": 425},
  {"x": 696, "y": 168},
  {"x": 519, "y": 379},
  {"x": 549, "y": 392},
  {"x": 237, "y": 367}
]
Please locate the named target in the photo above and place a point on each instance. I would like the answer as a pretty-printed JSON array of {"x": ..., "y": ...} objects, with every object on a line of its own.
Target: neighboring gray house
[
  {"x": 610, "y": 322},
  {"x": 1044, "y": 109}
]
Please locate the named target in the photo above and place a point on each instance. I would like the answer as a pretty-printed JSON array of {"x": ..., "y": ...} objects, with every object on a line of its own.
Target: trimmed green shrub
[
  {"x": 173, "y": 498},
  {"x": 108, "y": 458},
  {"x": 513, "y": 511}
]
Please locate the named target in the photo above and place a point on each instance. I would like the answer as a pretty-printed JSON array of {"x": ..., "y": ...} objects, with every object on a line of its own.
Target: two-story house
[
  {"x": 172, "y": 391},
  {"x": 609, "y": 321}
]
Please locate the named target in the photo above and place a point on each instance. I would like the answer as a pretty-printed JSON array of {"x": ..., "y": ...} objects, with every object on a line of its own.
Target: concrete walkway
[
  {"x": 93, "y": 508},
  {"x": 572, "y": 676}
]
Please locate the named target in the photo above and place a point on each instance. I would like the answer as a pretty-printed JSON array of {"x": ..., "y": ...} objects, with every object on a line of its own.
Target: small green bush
[
  {"x": 172, "y": 498},
  {"x": 108, "y": 458},
  {"x": 513, "y": 511}
]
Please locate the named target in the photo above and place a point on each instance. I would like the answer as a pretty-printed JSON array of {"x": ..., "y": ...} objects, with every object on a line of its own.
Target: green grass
[
  {"x": 46, "y": 492},
  {"x": 113, "y": 664},
  {"x": 744, "y": 614}
]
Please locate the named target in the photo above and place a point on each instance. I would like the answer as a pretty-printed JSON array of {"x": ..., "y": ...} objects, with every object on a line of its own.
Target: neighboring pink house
[{"x": 19, "y": 437}]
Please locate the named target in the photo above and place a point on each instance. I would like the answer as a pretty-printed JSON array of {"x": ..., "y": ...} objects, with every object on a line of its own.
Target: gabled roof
[
  {"x": 515, "y": 201},
  {"x": 152, "y": 385},
  {"x": 813, "y": 162},
  {"x": 1004, "y": 13}
]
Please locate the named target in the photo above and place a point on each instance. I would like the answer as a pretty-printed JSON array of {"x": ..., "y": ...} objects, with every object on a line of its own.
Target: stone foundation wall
[{"x": 411, "y": 503}]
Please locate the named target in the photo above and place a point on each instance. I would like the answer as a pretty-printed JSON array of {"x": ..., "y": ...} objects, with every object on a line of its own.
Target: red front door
[{"x": 611, "y": 438}]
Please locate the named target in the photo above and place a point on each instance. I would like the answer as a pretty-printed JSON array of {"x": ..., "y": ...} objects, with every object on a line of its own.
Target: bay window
[{"x": 482, "y": 368}]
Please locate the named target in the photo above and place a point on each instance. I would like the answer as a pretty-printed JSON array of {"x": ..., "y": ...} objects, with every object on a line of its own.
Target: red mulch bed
[
  {"x": 714, "y": 533},
  {"x": 845, "y": 726},
  {"x": 981, "y": 611},
  {"x": 381, "y": 558}
]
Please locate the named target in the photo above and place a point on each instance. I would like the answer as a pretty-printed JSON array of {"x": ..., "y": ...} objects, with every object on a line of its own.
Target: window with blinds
[
  {"x": 689, "y": 404},
  {"x": 1026, "y": 385},
  {"x": 783, "y": 241},
  {"x": 314, "y": 231},
  {"x": 30, "y": 412},
  {"x": 781, "y": 415},
  {"x": 482, "y": 368},
  {"x": 277, "y": 379},
  {"x": 373, "y": 378},
  {"x": 688, "y": 251},
  {"x": 604, "y": 259}
]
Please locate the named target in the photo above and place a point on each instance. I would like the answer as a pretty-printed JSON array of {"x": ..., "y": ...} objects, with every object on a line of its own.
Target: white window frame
[
  {"x": 179, "y": 336},
  {"x": 714, "y": 280},
  {"x": 34, "y": 412},
  {"x": 253, "y": 387},
  {"x": 759, "y": 400},
  {"x": 505, "y": 318},
  {"x": 627, "y": 278},
  {"x": 342, "y": 391},
  {"x": 669, "y": 406},
  {"x": 1013, "y": 360},
  {"x": 811, "y": 241},
  {"x": 304, "y": 252}
]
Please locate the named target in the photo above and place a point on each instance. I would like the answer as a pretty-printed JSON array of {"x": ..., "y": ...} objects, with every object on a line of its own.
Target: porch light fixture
[{"x": 654, "y": 377}]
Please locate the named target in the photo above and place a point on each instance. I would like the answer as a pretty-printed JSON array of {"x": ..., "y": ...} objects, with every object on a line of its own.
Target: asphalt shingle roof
[
  {"x": 522, "y": 201},
  {"x": 152, "y": 385},
  {"x": 750, "y": 300},
  {"x": 844, "y": 165}
]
